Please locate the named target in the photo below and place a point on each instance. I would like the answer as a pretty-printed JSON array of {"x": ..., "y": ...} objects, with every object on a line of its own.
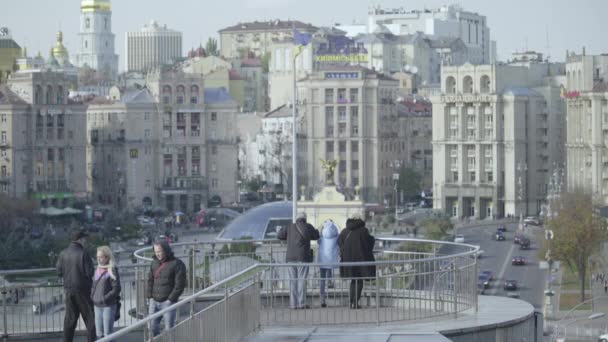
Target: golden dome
[
  {"x": 59, "y": 51},
  {"x": 95, "y": 5}
]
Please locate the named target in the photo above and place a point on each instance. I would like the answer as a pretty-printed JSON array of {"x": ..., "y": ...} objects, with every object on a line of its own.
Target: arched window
[
  {"x": 87, "y": 23},
  {"x": 194, "y": 94},
  {"x": 180, "y": 93},
  {"x": 484, "y": 84},
  {"x": 167, "y": 94},
  {"x": 467, "y": 85},
  {"x": 450, "y": 85},
  {"x": 59, "y": 95},
  {"x": 38, "y": 95},
  {"x": 49, "y": 95},
  {"x": 86, "y": 44}
]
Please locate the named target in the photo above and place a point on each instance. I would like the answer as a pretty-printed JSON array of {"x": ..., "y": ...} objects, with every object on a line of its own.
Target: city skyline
[{"x": 555, "y": 29}]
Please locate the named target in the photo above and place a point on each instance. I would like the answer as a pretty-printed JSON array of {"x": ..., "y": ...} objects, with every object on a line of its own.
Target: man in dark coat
[
  {"x": 356, "y": 245},
  {"x": 166, "y": 282},
  {"x": 298, "y": 236},
  {"x": 75, "y": 266}
]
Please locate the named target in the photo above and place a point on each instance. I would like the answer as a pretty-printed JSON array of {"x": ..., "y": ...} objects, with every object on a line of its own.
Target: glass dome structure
[{"x": 261, "y": 222}]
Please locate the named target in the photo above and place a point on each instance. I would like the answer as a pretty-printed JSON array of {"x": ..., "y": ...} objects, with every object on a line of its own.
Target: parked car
[
  {"x": 500, "y": 236},
  {"x": 510, "y": 285},
  {"x": 518, "y": 261},
  {"x": 459, "y": 238},
  {"x": 532, "y": 220}
]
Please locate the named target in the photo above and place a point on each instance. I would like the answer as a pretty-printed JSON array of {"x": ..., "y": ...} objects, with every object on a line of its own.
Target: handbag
[{"x": 117, "y": 312}]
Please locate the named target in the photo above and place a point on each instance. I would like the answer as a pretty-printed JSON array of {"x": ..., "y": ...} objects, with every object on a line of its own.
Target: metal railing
[{"x": 236, "y": 287}]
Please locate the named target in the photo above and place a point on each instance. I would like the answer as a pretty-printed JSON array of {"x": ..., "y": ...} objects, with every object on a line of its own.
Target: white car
[
  {"x": 459, "y": 238},
  {"x": 603, "y": 338},
  {"x": 531, "y": 220}
]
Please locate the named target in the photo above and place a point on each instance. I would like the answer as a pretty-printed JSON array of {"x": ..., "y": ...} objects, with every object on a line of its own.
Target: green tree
[
  {"x": 409, "y": 182},
  {"x": 211, "y": 47},
  {"x": 14, "y": 245},
  {"x": 578, "y": 233},
  {"x": 265, "y": 60},
  {"x": 436, "y": 228}
]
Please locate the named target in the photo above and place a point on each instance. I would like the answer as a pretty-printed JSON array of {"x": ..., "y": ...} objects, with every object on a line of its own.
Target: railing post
[
  {"x": 226, "y": 313},
  {"x": 456, "y": 280},
  {"x": 4, "y": 320},
  {"x": 271, "y": 285},
  {"x": 377, "y": 298}
]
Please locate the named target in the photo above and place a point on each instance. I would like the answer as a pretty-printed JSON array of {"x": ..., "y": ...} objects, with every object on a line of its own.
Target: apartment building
[
  {"x": 257, "y": 37},
  {"x": 122, "y": 149},
  {"x": 348, "y": 114},
  {"x": 154, "y": 45},
  {"x": 44, "y": 130},
  {"x": 586, "y": 96},
  {"x": 415, "y": 135},
  {"x": 498, "y": 131}
]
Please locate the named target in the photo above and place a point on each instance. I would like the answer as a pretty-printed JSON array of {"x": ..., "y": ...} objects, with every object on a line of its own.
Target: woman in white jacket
[{"x": 328, "y": 254}]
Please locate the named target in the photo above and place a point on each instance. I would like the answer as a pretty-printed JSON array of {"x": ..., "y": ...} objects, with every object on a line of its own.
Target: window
[
  {"x": 86, "y": 44},
  {"x": 354, "y": 95},
  {"x": 329, "y": 95},
  {"x": 341, "y": 114},
  {"x": 105, "y": 23},
  {"x": 213, "y": 116},
  {"x": 148, "y": 133},
  {"x": 3, "y": 117},
  {"x": 472, "y": 176},
  {"x": 454, "y": 176},
  {"x": 87, "y": 23},
  {"x": 3, "y": 137},
  {"x": 329, "y": 147},
  {"x": 354, "y": 146},
  {"x": 146, "y": 116},
  {"x": 490, "y": 176},
  {"x": 342, "y": 146},
  {"x": 50, "y": 154},
  {"x": 342, "y": 96},
  {"x": 148, "y": 184},
  {"x": 214, "y": 150},
  {"x": 214, "y": 182}
]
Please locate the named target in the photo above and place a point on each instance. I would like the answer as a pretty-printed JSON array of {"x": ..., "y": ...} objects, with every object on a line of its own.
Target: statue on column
[{"x": 330, "y": 167}]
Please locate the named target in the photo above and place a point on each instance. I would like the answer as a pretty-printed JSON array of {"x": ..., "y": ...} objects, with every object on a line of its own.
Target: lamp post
[
  {"x": 522, "y": 169},
  {"x": 396, "y": 164},
  {"x": 294, "y": 145}
]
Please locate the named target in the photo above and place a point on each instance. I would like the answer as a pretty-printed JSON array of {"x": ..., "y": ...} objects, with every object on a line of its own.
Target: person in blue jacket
[{"x": 328, "y": 254}]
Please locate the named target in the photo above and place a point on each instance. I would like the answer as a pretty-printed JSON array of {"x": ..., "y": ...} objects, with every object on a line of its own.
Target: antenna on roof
[{"x": 548, "y": 45}]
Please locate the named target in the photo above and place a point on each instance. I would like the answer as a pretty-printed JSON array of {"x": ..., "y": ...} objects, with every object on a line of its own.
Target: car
[
  {"x": 482, "y": 280},
  {"x": 513, "y": 294},
  {"x": 603, "y": 338},
  {"x": 501, "y": 229},
  {"x": 532, "y": 220},
  {"x": 524, "y": 243},
  {"x": 518, "y": 260},
  {"x": 510, "y": 285},
  {"x": 459, "y": 238},
  {"x": 517, "y": 238},
  {"x": 489, "y": 274},
  {"x": 500, "y": 236}
]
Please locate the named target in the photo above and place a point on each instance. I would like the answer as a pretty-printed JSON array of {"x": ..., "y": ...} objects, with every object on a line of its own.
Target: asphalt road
[{"x": 497, "y": 257}]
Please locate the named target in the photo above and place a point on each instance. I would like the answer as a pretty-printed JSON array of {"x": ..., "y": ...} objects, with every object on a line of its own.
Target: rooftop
[{"x": 279, "y": 25}]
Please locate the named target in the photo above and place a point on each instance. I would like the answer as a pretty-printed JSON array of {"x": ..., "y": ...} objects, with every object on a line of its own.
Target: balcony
[{"x": 184, "y": 183}]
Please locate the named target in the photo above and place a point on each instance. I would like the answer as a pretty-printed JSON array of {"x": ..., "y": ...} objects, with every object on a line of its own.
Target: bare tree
[{"x": 277, "y": 153}]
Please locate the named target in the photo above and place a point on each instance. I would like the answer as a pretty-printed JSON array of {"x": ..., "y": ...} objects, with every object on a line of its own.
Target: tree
[
  {"x": 277, "y": 153},
  {"x": 15, "y": 214},
  {"x": 265, "y": 60},
  {"x": 578, "y": 233},
  {"x": 211, "y": 47},
  {"x": 409, "y": 182},
  {"x": 436, "y": 228}
]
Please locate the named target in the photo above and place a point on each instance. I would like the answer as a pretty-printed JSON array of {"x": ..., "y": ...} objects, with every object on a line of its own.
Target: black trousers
[
  {"x": 78, "y": 304},
  {"x": 356, "y": 286}
]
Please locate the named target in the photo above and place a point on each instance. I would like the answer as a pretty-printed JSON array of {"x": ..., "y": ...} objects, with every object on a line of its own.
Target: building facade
[
  {"x": 415, "y": 135},
  {"x": 348, "y": 114},
  {"x": 96, "y": 40},
  {"x": 256, "y": 37},
  {"x": 498, "y": 130},
  {"x": 122, "y": 149},
  {"x": 151, "y": 47},
  {"x": 48, "y": 138},
  {"x": 586, "y": 95}
]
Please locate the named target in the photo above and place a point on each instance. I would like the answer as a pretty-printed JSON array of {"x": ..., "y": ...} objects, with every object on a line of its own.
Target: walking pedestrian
[
  {"x": 606, "y": 287},
  {"x": 75, "y": 266},
  {"x": 328, "y": 253},
  {"x": 106, "y": 291},
  {"x": 298, "y": 236},
  {"x": 356, "y": 245},
  {"x": 166, "y": 282}
]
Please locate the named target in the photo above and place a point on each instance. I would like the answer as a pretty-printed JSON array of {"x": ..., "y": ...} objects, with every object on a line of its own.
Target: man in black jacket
[
  {"x": 75, "y": 266},
  {"x": 166, "y": 282},
  {"x": 298, "y": 236}
]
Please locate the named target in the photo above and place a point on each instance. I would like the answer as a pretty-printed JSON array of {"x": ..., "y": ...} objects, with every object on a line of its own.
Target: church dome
[
  {"x": 95, "y": 5},
  {"x": 60, "y": 52}
]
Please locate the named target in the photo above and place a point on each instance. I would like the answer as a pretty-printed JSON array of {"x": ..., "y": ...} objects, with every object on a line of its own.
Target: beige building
[
  {"x": 348, "y": 114},
  {"x": 498, "y": 130},
  {"x": 586, "y": 95},
  {"x": 47, "y": 137},
  {"x": 257, "y": 37},
  {"x": 154, "y": 45},
  {"x": 122, "y": 149}
]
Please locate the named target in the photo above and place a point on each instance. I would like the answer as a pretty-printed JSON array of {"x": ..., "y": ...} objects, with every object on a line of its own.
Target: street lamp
[
  {"x": 396, "y": 164},
  {"x": 294, "y": 147},
  {"x": 522, "y": 168}
]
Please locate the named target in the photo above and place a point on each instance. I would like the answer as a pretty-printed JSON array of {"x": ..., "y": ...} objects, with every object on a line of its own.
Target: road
[{"x": 497, "y": 257}]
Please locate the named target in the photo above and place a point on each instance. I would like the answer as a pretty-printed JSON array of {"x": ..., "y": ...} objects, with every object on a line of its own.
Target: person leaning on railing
[
  {"x": 328, "y": 254},
  {"x": 356, "y": 245},
  {"x": 166, "y": 282},
  {"x": 105, "y": 292},
  {"x": 298, "y": 236}
]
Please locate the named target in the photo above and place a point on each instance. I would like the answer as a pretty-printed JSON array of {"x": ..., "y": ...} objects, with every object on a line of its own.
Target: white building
[
  {"x": 586, "y": 94},
  {"x": 96, "y": 40},
  {"x": 152, "y": 46},
  {"x": 498, "y": 131}
]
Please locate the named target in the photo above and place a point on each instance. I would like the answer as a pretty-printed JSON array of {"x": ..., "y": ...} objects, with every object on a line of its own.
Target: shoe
[
  {"x": 354, "y": 306},
  {"x": 323, "y": 305}
]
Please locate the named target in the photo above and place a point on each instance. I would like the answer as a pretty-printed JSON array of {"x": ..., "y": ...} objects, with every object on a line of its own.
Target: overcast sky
[{"x": 514, "y": 24}]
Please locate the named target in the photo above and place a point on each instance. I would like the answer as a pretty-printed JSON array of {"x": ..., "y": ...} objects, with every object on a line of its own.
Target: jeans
[
  {"x": 104, "y": 320},
  {"x": 326, "y": 273},
  {"x": 169, "y": 316},
  {"x": 78, "y": 304},
  {"x": 297, "y": 286}
]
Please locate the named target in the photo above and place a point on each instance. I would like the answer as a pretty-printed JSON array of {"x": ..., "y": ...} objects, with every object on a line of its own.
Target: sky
[{"x": 516, "y": 25}]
